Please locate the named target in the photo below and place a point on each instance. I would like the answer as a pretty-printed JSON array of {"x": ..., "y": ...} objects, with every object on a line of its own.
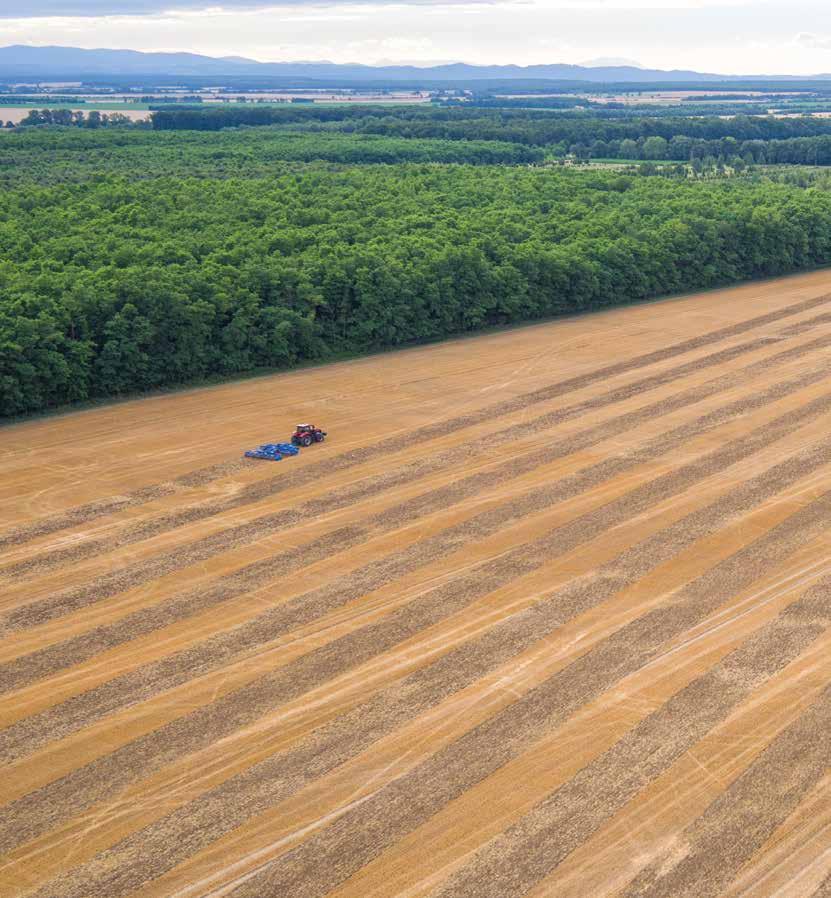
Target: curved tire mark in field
[
  {"x": 524, "y": 854},
  {"x": 359, "y": 836},
  {"x": 149, "y": 852},
  {"x": 739, "y": 821},
  {"x": 29, "y": 815},
  {"x": 40, "y": 664}
]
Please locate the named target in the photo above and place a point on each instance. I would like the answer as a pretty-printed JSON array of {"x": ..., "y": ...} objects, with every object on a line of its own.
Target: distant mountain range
[{"x": 25, "y": 63}]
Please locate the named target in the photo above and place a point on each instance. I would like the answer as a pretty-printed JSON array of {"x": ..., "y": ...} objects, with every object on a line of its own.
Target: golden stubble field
[{"x": 549, "y": 614}]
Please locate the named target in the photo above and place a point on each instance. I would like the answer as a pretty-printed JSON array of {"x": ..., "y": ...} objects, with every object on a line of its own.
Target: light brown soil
[
  {"x": 548, "y": 615},
  {"x": 18, "y": 113}
]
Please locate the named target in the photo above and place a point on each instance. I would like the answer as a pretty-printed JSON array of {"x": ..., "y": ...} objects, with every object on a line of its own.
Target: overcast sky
[{"x": 740, "y": 36}]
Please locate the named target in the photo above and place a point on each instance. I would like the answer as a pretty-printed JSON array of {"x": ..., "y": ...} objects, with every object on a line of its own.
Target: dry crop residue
[{"x": 548, "y": 615}]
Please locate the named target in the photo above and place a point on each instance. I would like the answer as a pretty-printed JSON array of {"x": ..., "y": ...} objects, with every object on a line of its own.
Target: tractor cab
[{"x": 306, "y": 434}]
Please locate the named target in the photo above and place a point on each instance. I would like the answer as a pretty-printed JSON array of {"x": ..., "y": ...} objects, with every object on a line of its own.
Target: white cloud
[
  {"x": 813, "y": 41},
  {"x": 730, "y": 36}
]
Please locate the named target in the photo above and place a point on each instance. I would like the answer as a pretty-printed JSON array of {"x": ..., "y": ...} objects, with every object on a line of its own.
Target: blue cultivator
[
  {"x": 288, "y": 449},
  {"x": 272, "y": 451}
]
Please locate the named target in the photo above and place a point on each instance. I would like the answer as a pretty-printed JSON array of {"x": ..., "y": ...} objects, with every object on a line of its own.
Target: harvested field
[
  {"x": 16, "y": 114},
  {"x": 548, "y": 615}
]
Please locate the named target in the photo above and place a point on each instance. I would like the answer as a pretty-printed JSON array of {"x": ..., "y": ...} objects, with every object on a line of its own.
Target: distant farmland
[
  {"x": 547, "y": 615},
  {"x": 18, "y": 113}
]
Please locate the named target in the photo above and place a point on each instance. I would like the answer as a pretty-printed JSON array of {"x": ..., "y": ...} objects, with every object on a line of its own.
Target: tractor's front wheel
[{"x": 319, "y": 437}]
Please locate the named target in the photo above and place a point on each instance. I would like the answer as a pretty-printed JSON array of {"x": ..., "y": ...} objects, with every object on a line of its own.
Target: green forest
[
  {"x": 132, "y": 260},
  {"x": 255, "y": 135},
  {"x": 529, "y": 126},
  {"x": 49, "y": 155}
]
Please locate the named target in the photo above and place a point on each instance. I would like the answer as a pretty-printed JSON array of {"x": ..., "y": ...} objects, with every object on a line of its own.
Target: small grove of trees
[
  {"x": 121, "y": 284},
  {"x": 77, "y": 118}
]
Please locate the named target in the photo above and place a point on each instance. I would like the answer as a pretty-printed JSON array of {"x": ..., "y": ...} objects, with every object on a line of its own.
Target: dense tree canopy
[
  {"x": 112, "y": 284},
  {"x": 358, "y": 134},
  {"x": 526, "y": 126},
  {"x": 51, "y": 155}
]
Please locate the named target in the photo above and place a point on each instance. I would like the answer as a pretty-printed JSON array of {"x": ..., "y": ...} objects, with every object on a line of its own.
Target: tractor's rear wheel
[{"x": 307, "y": 440}]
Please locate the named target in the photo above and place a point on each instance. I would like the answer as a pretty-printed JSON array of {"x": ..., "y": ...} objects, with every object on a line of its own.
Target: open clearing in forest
[{"x": 547, "y": 615}]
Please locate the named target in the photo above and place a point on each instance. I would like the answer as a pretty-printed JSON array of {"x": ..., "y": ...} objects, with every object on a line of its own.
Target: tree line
[
  {"x": 792, "y": 151},
  {"x": 77, "y": 118},
  {"x": 368, "y": 135},
  {"x": 58, "y": 155},
  {"x": 527, "y": 126},
  {"x": 120, "y": 284}
]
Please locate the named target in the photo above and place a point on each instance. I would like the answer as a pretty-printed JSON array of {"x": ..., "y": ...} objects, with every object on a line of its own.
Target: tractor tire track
[
  {"x": 150, "y": 852},
  {"x": 47, "y": 661},
  {"x": 741, "y": 819},
  {"x": 90, "y": 783},
  {"x": 83, "y": 514},
  {"x": 355, "y": 839},
  {"x": 522, "y": 856}
]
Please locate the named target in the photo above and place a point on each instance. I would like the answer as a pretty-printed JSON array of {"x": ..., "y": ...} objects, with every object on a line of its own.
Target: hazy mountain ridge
[{"x": 25, "y": 62}]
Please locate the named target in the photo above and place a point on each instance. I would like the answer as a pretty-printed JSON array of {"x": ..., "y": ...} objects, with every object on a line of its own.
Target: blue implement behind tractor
[{"x": 272, "y": 451}]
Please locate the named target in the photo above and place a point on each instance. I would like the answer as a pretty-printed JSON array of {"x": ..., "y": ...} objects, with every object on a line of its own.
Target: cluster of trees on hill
[
  {"x": 215, "y": 118},
  {"x": 796, "y": 151},
  {"x": 117, "y": 284}
]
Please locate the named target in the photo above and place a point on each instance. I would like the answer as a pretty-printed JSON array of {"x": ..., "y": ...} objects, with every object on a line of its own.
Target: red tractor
[{"x": 306, "y": 434}]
